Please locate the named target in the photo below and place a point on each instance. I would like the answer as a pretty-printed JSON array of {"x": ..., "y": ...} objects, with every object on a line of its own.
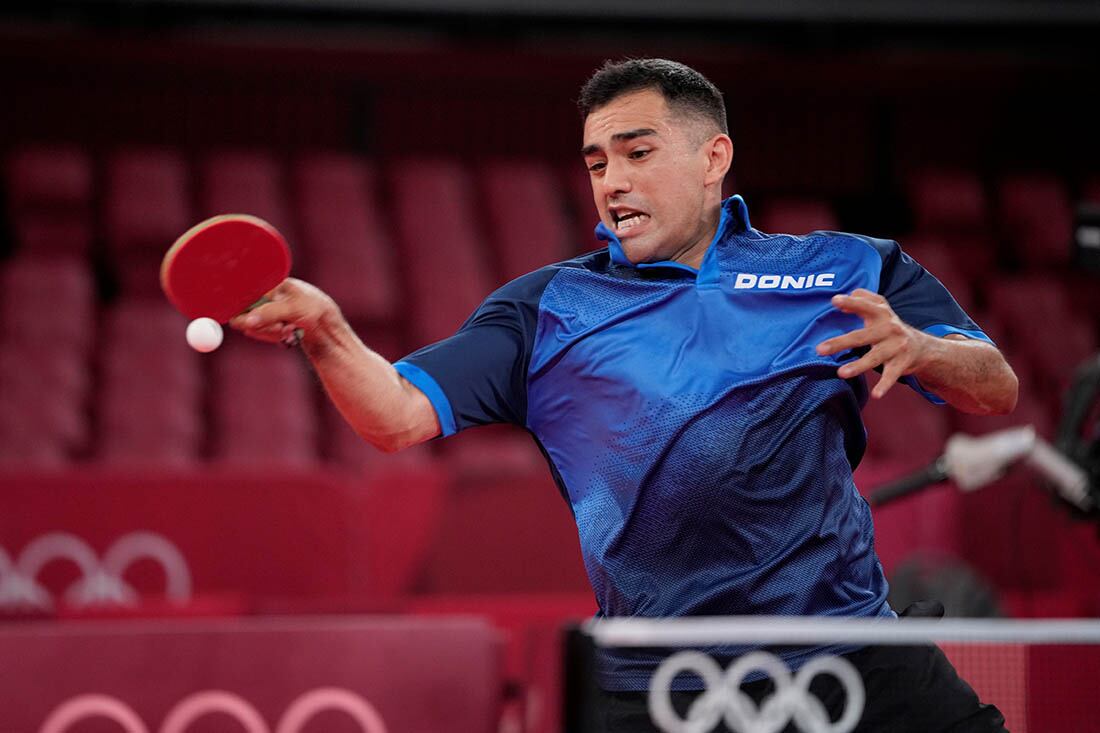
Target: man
[{"x": 695, "y": 388}]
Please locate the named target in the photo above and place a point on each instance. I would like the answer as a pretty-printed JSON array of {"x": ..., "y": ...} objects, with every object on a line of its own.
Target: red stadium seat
[
  {"x": 48, "y": 304},
  {"x": 60, "y": 279},
  {"x": 1057, "y": 353},
  {"x": 948, "y": 201},
  {"x": 1029, "y": 303},
  {"x": 263, "y": 406},
  {"x": 279, "y": 447},
  {"x": 52, "y": 298},
  {"x": 527, "y": 225},
  {"x": 352, "y": 256},
  {"x": 147, "y": 449},
  {"x": 60, "y": 372},
  {"x": 50, "y": 179},
  {"x": 795, "y": 216},
  {"x": 245, "y": 182},
  {"x": 167, "y": 369},
  {"x": 143, "y": 344},
  {"x": 20, "y": 450},
  {"x": 449, "y": 277},
  {"x": 1038, "y": 219},
  {"x": 147, "y": 205},
  {"x": 132, "y": 410},
  {"x": 47, "y": 416},
  {"x": 47, "y": 235},
  {"x": 951, "y": 206},
  {"x": 138, "y": 320},
  {"x": 149, "y": 402},
  {"x": 142, "y": 413},
  {"x": 49, "y": 199},
  {"x": 1045, "y": 328}
]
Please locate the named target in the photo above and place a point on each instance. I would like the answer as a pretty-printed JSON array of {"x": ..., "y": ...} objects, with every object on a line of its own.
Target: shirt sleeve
[
  {"x": 479, "y": 375},
  {"x": 922, "y": 301}
]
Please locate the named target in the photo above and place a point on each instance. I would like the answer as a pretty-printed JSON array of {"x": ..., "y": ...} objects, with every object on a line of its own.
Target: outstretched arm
[
  {"x": 383, "y": 408},
  {"x": 968, "y": 374}
]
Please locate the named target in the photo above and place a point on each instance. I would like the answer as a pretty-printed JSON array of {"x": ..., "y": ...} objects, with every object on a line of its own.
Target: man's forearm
[
  {"x": 970, "y": 375},
  {"x": 382, "y": 407}
]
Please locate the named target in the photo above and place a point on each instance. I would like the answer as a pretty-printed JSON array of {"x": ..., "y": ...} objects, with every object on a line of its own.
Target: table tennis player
[{"x": 696, "y": 388}]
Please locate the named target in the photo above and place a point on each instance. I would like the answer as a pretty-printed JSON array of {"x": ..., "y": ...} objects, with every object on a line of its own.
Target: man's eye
[
  {"x": 638, "y": 154},
  {"x": 597, "y": 167}
]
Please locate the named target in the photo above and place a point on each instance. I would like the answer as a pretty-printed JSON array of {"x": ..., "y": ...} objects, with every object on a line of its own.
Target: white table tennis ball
[{"x": 204, "y": 334}]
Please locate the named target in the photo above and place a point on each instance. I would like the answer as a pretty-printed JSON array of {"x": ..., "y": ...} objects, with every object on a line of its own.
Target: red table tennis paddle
[{"x": 224, "y": 266}]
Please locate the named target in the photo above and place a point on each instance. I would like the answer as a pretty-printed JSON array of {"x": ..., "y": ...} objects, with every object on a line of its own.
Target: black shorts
[{"x": 910, "y": 689}]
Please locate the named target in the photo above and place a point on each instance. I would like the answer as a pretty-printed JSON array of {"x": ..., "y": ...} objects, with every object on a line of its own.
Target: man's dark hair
[{"x": 684, "y": 89}]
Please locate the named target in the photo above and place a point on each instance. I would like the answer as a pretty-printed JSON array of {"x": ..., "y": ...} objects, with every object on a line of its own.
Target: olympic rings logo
[
  {"x": 303, "y": 709},
  {"x": 723, "y": 698},
  {"x": 101, "y": 583}
]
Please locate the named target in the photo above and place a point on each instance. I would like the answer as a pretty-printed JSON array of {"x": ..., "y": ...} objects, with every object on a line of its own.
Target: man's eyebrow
[
  {"x": 619, "y": 137},
  {"x": 631, "y": 134}
]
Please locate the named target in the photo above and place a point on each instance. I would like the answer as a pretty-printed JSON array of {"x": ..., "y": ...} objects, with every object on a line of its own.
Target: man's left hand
[{"x": 896, "y": 346}]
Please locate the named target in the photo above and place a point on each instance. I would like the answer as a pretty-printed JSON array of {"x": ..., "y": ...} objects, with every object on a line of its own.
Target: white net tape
[{"x": 790, "y": 700}]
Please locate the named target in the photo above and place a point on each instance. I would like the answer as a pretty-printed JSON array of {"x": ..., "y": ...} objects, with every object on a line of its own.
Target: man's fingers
[
  {"x": 891, "y": 347},
  {"x": 848, "y": 341},
  {"x": 891, "y": 373},
  {"x": 283, "y": 290},
  {"x": 861, "y": 305},
  {"x": 868, "y": 361},
  {"x": 273, "y": 311}
]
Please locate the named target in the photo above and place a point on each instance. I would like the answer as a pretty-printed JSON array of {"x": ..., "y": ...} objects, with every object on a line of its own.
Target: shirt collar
[{"x": 734, "y": 217}]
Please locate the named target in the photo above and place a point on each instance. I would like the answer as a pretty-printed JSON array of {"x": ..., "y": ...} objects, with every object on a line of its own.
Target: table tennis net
[{"x": 817, "y": 675}]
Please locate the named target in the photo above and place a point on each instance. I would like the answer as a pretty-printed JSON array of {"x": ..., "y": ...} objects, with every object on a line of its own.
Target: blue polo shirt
[{"x": 705, "y": 448}]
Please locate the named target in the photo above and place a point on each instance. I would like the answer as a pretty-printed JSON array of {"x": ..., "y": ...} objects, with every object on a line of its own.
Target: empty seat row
[{"x": 1032, "y": 211}]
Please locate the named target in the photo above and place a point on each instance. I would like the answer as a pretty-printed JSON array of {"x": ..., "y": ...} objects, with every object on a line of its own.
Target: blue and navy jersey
[{"x": 705, "y": 448}]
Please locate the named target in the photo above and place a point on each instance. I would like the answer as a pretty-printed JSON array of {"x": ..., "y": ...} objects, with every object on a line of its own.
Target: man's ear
[{"x": 719, "y": 151}]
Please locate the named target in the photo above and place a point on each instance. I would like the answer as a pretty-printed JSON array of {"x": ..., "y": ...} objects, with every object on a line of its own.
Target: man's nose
[{"x": 616, "y": 179}]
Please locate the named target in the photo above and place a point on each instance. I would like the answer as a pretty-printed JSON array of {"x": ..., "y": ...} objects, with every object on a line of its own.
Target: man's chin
[{"x": 638, "y": 252}]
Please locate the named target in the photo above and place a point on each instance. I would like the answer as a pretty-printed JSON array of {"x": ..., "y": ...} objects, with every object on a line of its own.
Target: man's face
[{"x": 648, "y": 170}]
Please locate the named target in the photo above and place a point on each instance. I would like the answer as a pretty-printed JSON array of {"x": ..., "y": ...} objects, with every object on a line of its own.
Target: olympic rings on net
[{"x": 723, "y": 699}]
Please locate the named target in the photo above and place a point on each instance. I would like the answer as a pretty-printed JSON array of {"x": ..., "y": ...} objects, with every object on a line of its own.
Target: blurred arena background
[{"x": 419, "y": 153}]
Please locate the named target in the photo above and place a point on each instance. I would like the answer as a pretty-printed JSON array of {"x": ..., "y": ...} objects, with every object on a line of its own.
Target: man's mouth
[{"x": 626, "y": 219}]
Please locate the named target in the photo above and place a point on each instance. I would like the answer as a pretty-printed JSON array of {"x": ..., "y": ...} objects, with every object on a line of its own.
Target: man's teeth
[{"x": 630, "y": 220}]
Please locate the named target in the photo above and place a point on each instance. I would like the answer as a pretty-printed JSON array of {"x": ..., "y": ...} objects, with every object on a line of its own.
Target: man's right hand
[{"x": 293, "y": 304}]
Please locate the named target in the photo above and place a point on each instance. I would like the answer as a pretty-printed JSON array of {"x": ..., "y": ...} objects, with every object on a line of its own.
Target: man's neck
[{"x": 692, "y": 256}]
